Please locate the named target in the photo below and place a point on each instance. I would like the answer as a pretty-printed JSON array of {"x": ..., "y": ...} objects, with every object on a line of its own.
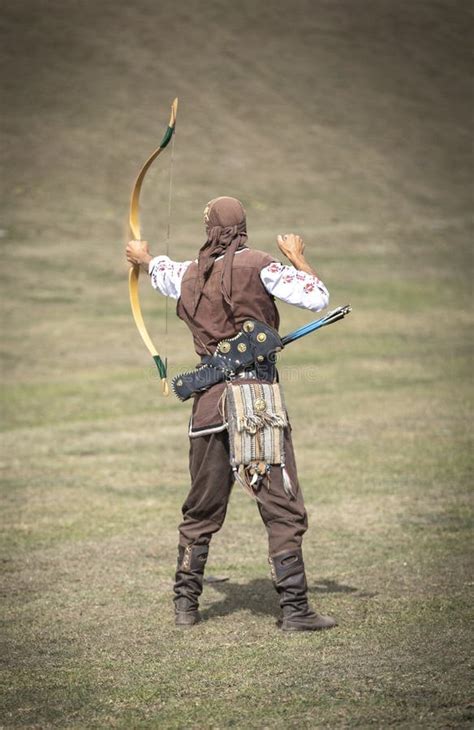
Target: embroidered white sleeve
[
  {"x": 295, "y": 287},
  {"x": 167, "y": 275}
]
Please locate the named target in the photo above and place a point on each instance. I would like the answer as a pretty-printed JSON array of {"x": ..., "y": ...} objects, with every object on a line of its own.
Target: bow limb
[{"x": 134, "y": 273}]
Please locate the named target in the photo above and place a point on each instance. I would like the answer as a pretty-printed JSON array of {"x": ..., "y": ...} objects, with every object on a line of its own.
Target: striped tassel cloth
[{"x": 256, "y": 417}]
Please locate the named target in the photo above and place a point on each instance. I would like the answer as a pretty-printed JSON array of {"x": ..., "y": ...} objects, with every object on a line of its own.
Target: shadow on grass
[{"x": 259, "y": 597}]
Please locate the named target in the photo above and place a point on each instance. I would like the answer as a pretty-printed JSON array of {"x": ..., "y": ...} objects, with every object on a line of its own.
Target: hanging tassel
[
  {"x": 253, "y": 423},
  {"x": 237, "y": 477},
  {"x": 287, "y": 486},
  {"x": 255, "y": 480},
  {"x": 243, "y": 482}
]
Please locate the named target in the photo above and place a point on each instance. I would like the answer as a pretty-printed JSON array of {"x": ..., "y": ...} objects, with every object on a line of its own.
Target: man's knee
[{"x": 199, "y": 531}]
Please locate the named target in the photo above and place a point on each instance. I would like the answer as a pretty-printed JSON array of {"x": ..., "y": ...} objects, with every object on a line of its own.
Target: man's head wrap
[{"x": 226, "y": 229}]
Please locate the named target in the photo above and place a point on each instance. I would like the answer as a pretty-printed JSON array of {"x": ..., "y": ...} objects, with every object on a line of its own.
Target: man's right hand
[{"x": 291, "y": 245}]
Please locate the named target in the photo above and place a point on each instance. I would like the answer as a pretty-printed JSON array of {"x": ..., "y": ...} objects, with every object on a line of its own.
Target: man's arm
[
  {"x": 297, "y": 284},
  {"x": 165, "y": 275}
]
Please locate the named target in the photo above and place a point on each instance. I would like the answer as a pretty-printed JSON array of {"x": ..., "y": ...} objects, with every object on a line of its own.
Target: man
[{"x": 227, "y": 285}]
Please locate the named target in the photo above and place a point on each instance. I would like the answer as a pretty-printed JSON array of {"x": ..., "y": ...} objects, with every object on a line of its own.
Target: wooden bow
[{"x": 134, "y": 273}]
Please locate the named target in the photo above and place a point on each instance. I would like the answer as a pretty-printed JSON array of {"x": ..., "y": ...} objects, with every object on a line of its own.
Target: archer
[{"x": 239, "y": 427}]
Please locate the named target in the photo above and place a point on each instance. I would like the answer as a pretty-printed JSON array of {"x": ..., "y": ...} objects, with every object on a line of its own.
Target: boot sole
[
  {"x": 186, "y": 620},
  {"x": 303, "y": 627}
]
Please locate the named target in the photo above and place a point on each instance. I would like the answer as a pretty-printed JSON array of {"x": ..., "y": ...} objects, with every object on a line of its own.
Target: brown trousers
[{"x": 211, "y": 483}]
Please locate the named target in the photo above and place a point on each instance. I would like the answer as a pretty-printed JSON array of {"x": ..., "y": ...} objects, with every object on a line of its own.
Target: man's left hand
[{"x": 138, "y": 254}]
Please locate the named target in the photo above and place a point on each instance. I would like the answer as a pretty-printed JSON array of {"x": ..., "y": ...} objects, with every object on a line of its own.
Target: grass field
[{"x": 348, "y": 122}]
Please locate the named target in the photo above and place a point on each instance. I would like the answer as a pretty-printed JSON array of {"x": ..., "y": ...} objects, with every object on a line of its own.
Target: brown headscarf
[{"x": 226, "y": 229}]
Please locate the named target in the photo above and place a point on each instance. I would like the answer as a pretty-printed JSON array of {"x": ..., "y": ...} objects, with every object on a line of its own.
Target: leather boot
[
  {"x": 289, "y": 579},
  {"x": 188, "y": 583}
]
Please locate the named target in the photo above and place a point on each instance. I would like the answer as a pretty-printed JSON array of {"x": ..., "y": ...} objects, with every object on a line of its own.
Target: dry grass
[{"x": 352, "y": 128}]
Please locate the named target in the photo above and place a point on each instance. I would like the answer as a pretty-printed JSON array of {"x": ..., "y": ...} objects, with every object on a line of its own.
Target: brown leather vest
[{"x": 214, "y": 319}]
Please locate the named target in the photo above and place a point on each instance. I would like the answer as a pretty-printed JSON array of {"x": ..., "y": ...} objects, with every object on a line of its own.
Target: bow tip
[{"x": 174, "y": 113}]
